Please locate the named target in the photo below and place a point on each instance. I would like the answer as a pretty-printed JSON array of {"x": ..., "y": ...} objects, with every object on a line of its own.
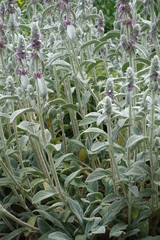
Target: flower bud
[
  {"x": 51, "y": 39},
  {"x": 21, "y": 49},
  {"x": 20, "y": 93},
  {"x": 130, "y": 79},
  {"x": 10, "y": 85},
  {"x": 154, "y": 72},
  {"x": 10, "y": 68},
  {"x": 124, "y": 42},
  {"x": 154, "y": 30},
  {"x": 30, "y": 92},
  {"x": 2, "y": 9},
  {"x": 12, "y": 23},
  {"x": 79, "y": 33},
  {"x": 3, "y": 42},
  {"x": 108, "y": 106},
  {"x": 35, "y": 37},
  {"x": 109, "y": 90},
  {"x": 157, "y": 143},
  {"x": 136, "y": 32}
]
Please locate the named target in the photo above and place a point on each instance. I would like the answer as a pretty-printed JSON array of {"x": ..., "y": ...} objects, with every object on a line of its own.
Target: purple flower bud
[
  {"x": 136, "y": 32},
  {"x": 21, "y": 49},
  {"x": 2, "y": 9},
  {"x": 38, "y": 75},
  {"x": 130, "y": 79},
  {"x": 35, "y": 37},
  {"x": 154, "y": 73},
  {"x": 109, "y": 90},
  {"x": 3, "y": 42},
  {"x": 23, "y": 72},
  {"x": 124, "y": 42}
]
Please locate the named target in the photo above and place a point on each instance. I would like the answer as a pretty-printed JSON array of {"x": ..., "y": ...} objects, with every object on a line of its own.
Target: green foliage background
[{"x": 108, "y": 8}]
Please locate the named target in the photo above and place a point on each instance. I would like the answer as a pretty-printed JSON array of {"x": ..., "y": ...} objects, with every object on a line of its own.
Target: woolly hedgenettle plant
[{"x": 79, "y": 120}]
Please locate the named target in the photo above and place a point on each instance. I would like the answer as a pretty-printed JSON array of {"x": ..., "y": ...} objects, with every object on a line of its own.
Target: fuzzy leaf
[
  {"x": 98, "y": 174},
  {"x": 71, "y": 32},
  {"x": 117, "y": 229},
  {"x": 135, "y": 140},
  {"x": 42, "y": 195},
  {"x": 17, "y": 113},
  {"x": 95, "y": 130},
  {"x": 59, "y": 236},
  {"x": 14, "y": 233},
  {"x": 76, "y": 209}
]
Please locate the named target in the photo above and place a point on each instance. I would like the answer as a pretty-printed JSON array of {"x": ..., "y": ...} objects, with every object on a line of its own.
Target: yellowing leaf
[
  {"x": 25, "y": 148},
  {"x": 31, "y": 221},
  {"x": 45, "y": 185}
]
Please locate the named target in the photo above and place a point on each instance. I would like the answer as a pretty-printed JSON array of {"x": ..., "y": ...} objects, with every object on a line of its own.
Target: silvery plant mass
[{"x": 79, "y": 121}]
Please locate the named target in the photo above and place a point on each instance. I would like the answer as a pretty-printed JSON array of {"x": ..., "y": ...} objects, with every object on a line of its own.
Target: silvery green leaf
[
  {"x": 18, "y": 113},
  {"x": 42, "y": 87},
  {"x": 86, "y": 62},
  {"x": 95, "y": 130},
  {"x": 113, "y": 210},
  {"x": 143, "y": 72},
  {"x": 86, "y": 98},
  {"x": 24, "y": 82},
  {"x": 135, "y": 140},
  {"x": 99, "y": 230},
  {"x": 52, "y": 57},
  {"x": 61, "y": 63},
  {"x": 92, "y": 224},
  {"x": 71, "y": 32},
  {"x": 8, "y": 97},
  {"x": 58, "y": 236},
  {"x": 4, "y": 115},
  {"x": 47, "y": 135},
  {"x": 118, "y": 229},
  {"x": 62, "y": 158},
  {"x": 71, "y": 177},
  {"x": 23, "y": 141},
  {"x": 110, "y": 34},
  {"x": 135, "y": 171},
  {"x": 134, "y": 190},
  {"x": 98, "y": 174},
  {"x": 51, "y": 147},
  {"x": 77, "y": 210},
  {"x": 99, "y": 146},
  {"x": 101, "y": 118},
  {"x": 15, "y": 233},
  {"x": 143, "y": 50},
  {"x": 29, "y": 127},
  {"x": 42, "y": 195},
  {"x": 86, "y": 121},
  {"x": 93, "y": 41}
]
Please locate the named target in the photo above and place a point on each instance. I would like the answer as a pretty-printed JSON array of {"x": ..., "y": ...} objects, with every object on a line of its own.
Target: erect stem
[
  {"x": 39, "y": 106},
  {"x": 155, "y": 39},
  {"x": 54, "y": 172},
  {"x": 60, "y": 111},
  {"x": 15, "y": 219},
  {"x": 114, "y": 166},
  {"x": 151, "y": 143}
]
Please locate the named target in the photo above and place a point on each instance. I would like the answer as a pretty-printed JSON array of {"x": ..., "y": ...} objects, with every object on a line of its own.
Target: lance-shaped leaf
[
  {"x": 18, "y": 113},
  {"x": 59, "y": 236},
  {"x": 135, "y": 140},
  {"x": 98, "y": 174},
  {"x": 77, "y": 210}
]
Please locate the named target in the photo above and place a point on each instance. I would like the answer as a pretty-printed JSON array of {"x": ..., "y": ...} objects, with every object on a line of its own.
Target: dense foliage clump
[{"x": 79, "y": 120}]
